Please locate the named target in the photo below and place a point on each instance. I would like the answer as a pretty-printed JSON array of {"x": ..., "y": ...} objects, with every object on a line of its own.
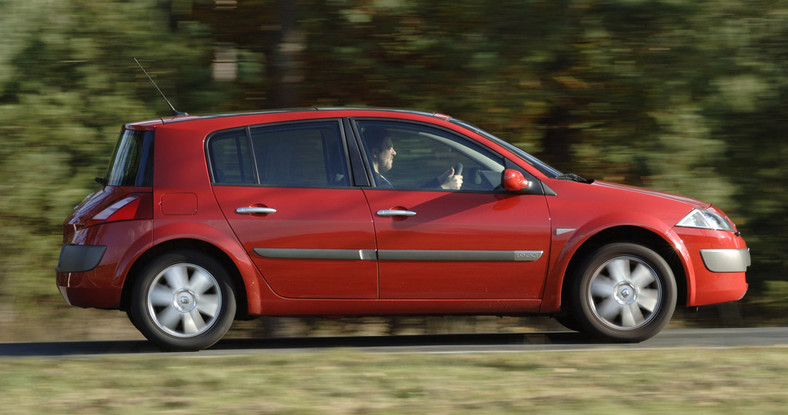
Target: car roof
[{"x": 230, "y": 120}]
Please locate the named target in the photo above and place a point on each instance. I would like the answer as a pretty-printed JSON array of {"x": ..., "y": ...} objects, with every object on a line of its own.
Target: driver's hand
[{"x": 449, "y": 180}]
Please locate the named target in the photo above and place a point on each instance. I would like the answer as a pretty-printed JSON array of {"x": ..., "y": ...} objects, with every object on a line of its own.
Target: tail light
[{"x": 134, "y": 206}]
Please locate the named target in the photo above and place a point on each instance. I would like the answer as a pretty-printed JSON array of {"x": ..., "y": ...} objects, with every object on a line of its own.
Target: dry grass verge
[{"x": 718, "y": 381}]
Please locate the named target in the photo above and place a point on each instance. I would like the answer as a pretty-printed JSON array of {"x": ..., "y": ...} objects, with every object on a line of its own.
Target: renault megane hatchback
[{"x": 351, "y": 212}]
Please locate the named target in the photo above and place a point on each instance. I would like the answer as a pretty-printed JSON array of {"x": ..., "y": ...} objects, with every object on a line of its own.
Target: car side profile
[{"x": 352, "y": 212}]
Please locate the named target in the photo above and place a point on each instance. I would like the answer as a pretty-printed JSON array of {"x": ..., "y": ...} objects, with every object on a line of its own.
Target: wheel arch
[
  {"x": 239, "y": 287},
  {"x": 631, "y": 234}
]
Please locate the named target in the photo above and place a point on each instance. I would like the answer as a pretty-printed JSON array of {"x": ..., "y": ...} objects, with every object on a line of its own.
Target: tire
[
  {"x": 623, "y": 292},
  {"x": 567, "y": 320},
  {"x": 183, "y": 301}
]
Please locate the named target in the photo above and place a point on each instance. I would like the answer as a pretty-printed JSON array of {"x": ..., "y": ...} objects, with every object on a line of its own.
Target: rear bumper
[
  {"x": 94, "y": 262},
  {"x": 75, "y": 273},
  {"x": 80, "y": 258},
  {"x": 86, "y": 296}
]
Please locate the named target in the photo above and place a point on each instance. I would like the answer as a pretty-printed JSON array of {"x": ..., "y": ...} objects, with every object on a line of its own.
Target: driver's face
[{"x": 386, "y": 156}]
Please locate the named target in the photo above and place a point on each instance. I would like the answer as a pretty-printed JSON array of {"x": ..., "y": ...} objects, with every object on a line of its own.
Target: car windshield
[
  {"x": 132, "y": 160},
  {"x": 543, "y": 167}
]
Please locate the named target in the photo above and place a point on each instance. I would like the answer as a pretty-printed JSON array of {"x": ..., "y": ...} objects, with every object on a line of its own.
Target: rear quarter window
[
  {"x": 231, "y": 158},
  {"x": 132, "y": 160}
]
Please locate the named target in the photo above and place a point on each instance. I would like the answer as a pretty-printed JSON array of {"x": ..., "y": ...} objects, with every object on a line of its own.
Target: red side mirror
[{"x": 514, "y": 181}]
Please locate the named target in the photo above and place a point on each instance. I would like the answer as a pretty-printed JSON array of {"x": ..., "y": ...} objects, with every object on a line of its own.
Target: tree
[{"x": 67, "y": 84}]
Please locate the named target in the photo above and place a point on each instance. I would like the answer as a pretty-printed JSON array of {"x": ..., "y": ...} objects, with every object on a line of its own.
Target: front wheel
[
  {"x": 623, "y": 292},
  {"x": 183, "y": 300}
]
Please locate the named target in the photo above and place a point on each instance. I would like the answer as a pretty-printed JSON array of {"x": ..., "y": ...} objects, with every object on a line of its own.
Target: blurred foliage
[
  {"x": 687, "y": 97},
  {"x": 67, "y": 83}
]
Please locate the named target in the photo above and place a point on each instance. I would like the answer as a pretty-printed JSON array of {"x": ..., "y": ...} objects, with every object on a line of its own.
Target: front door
[{"x": 449, "y": 237}]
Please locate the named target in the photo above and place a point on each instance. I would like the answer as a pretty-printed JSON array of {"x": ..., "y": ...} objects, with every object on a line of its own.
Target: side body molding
[
  {"x": 400, "y": 255},
  {"x": 344, "y": 254}
]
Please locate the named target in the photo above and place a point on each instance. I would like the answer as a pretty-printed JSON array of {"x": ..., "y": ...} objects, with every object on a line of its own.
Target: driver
[{"x": 382, "y": 153}]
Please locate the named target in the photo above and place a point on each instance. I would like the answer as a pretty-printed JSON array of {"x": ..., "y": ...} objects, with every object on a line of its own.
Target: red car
[{"x": 349, "y": 212}]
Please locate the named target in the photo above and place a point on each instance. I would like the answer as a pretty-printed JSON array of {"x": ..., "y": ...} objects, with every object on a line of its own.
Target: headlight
[{"x": 705, "y": 219}]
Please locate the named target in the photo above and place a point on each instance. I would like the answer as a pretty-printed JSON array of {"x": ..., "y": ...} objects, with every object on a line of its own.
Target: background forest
[{"x": 682, "y": 96}]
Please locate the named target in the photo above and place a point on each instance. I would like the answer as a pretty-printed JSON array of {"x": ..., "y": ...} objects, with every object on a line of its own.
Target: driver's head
[{"x": 381, "y": 149}]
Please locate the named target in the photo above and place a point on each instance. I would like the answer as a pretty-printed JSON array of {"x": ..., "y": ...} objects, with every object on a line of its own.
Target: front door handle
[
  {"x": 396, "y": 212},
  {"x": 255, "y": 210}
]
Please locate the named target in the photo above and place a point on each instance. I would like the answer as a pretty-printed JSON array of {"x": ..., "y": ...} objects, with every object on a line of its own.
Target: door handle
[
  {"x": 395, "y": 212},
  {"x": 255, "y": 210}
]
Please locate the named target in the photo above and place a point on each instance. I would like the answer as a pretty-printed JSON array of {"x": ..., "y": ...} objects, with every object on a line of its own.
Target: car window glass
[
  {"x": 424, "y": 156},
  {"x": 132, "y": 160},
  {"x": 231, "y": 158},
  {"x": 310, "y": 154}
]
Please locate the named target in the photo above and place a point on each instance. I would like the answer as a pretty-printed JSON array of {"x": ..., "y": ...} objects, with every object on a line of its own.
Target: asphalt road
[{"x": 453, "y": 343}]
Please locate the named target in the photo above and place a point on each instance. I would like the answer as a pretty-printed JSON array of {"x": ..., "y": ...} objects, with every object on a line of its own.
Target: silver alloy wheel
[
  {"x": 184, "y": 300},
  {"x": 625, "y": 293}
]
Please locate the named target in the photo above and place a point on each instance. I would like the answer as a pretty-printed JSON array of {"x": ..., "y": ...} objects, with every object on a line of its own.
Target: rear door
[
  {"x": 478, "y": 242},
  {"x": 286, "y": 191}
]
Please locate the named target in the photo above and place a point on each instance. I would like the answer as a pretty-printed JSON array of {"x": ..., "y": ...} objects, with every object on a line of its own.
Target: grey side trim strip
[
  {"x": 441, "y": 255},
  {"x": 726, "y": 260},
  {"x": 347, "y": 254},
  {"x": 399, "y": 255}
]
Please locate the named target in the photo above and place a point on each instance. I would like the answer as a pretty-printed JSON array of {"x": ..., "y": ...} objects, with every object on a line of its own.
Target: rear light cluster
[{"x": 131, "y": 207}]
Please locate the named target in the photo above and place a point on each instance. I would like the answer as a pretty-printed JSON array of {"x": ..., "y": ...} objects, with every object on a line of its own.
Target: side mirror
[{"x": 514, "y": 181}]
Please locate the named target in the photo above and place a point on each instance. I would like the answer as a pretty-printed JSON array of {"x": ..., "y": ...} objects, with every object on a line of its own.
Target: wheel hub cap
[
  {"x": 184, "y": 301},
  {"x": 626, "y": 294}
]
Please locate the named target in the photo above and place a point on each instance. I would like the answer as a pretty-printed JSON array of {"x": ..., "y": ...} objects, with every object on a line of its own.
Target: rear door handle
[
  {"x": 256, "y": 210},
  {"x": 395, "y": 212}
]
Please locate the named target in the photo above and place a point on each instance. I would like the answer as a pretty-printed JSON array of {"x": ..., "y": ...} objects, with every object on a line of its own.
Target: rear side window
[
  {"x": 309, "y": 154},
  {"x": 132, "y": 160},
  {"x": 231, "y": 158}
]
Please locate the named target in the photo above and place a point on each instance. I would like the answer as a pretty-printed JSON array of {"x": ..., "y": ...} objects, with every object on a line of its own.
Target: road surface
[{"x": 452, "y": 343}]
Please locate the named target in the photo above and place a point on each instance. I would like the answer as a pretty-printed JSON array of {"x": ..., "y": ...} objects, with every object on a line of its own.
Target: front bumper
[
  {"x": 726, "y": 260},
  {"x": 715, "y": 265}
]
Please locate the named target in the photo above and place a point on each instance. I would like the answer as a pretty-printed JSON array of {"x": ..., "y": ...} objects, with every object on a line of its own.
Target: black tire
[
  {"x": 567, "y": 320},
  {"x": 623, "y": 292},
  {"x": 183, "y": 300}
]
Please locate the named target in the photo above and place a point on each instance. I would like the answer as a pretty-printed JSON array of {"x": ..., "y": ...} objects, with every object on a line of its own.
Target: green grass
[{"x": 674, "y": 381}]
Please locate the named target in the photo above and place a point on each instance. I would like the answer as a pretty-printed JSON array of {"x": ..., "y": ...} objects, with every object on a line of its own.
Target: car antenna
[{"x": 174, "y": 111}]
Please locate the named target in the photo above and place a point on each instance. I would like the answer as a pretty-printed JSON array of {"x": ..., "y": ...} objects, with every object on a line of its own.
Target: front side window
[
  {"x": 309, "y": 154},
  {"x": 404, "y": 155},
  {"x": 543, "y": 167},
  {"x": 132, "y": 160}
]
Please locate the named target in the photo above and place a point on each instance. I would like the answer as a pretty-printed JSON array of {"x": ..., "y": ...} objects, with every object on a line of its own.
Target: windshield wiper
[{"x": 574, "y": 178}]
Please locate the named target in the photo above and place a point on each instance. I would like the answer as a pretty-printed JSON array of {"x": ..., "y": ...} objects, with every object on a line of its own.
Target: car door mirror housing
[{"x": 514, "y": 181}]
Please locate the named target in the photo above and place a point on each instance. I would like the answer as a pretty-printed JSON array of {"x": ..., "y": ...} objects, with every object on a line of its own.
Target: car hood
[{"x": 695, "y": 203}]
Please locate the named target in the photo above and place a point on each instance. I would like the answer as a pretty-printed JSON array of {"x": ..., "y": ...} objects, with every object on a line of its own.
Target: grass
[{"x": 673, "y": 381}]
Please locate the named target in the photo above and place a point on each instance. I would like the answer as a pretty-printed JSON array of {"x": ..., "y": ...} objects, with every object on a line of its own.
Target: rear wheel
[
  {"x": 623, "y": 292},
  {"x": 183, "y": 300}
]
